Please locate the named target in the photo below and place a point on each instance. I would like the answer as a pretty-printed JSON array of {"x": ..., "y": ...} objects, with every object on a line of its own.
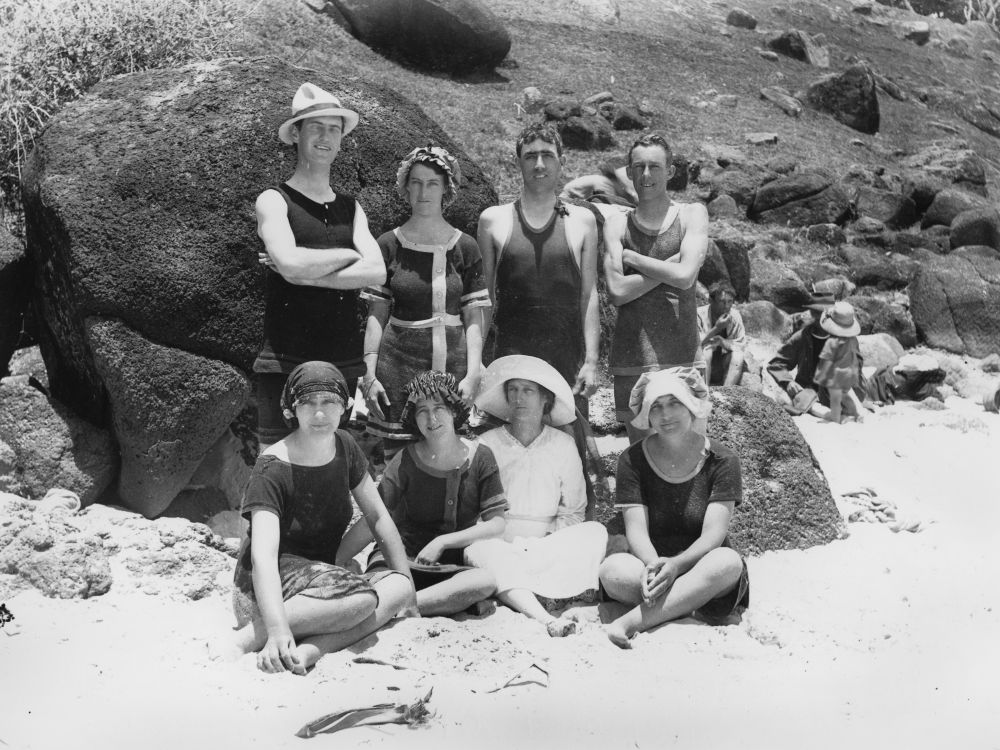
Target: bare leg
[
  {"x": 394, "y": 592},
  {"x": 621, "y": 576},
  {"x": 460, "y": 591},
  {"x": 836, "y": 397},
  {"x": 309, "y": 616},
  {"x": 715, "y": 573},
  {"x": 525, "y": 602},
  {"x": 734, "y": 370}
]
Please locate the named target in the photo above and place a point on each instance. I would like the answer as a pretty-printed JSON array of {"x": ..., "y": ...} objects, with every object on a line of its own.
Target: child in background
[{"x": 837, "y": 370}]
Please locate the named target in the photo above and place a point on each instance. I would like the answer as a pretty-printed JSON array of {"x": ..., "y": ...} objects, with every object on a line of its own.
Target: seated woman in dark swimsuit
[{"x": 676, "y": 489}]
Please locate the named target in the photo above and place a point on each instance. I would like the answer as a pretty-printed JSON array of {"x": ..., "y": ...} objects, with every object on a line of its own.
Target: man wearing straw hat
[{"x": 319, "y": 253}]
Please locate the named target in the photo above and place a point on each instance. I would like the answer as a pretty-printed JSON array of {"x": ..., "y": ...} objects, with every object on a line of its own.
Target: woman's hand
[
  {"x": 431, "y": 553},
  {"x": 658, "y": 577},
  {"x": 468, "y": 388},
  {"x": 375, "y": 396},
  {"x": 279, "y": 654}
]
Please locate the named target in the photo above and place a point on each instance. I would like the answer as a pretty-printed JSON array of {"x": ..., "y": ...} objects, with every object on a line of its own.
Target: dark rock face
[
  {"x": 892, "y": 209},
  {"x": 452, "y": 35},
  {"x": 955, "y": 301},
  {"x": 948, "y": 204},
  {"x": 587, "y": 132},
  {"x": 714, "y": 268},
  {"x": 735, "y": 251},
  {"x": 786, "y": 500},
  {"x": 139, "y": 208},
  {"x": 739, "y": 182},
  {"x": 798, "y": 45},
  {"x": 49, "y": 446},
  {"x": 562, "y": 109},
  {"x": 169, "y": 408},
  {"x": 51, "y": 553},
  {"x": 800, "y": 199},
  {"x": 849, "y": 96},
  {"x": 877, "y": 314},
  {"x": 772, "y": 281},
  {"x": 741, "y": 19},
  {"x": 976, "y": 227},
  {"x": 867, "y": 267},
  {"x": 942, "y": 164},
  {"x": 15, "y": 285}
]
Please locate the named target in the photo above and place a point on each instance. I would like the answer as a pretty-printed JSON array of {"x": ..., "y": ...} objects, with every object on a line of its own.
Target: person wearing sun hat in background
[
  {"x": 548, "y": 548},
  {"x": 839, "y": 368},
  {"x": 319, "y": 253},
  {"x": 794, "y": 365}
]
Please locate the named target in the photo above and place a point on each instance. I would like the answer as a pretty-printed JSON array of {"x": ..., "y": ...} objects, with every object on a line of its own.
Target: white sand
[{"x": 879, "y": 640}]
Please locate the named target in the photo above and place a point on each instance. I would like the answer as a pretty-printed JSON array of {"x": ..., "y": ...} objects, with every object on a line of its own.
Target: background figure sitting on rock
[
  {"x": 295, "y": 598},
  {"x": 318, "y": 252},
  {"x": 722, "y": 335},
  {"x": 794, "y": 366},
  {"x": 444, "y": 493}
]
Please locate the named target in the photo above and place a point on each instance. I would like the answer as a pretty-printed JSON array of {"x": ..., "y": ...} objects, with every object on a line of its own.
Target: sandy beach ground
[{"x": 882, "y": 639}]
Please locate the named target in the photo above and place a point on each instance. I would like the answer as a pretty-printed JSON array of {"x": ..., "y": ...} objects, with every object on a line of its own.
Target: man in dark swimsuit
[
  {"x": 319, "y": 252},
  {"x": 540, "y": 260}
]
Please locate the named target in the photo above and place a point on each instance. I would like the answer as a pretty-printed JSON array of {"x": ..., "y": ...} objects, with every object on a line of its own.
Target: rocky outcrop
[
  {"x": 763, "y": 320},
  {"x": 139, "y": 209},
  {"x": 849, "y": 96},
  {"x": 867, "y": 267},
  {"x": 735, "y": 250},
  {"x": 879, "y": 350},
  {"x": 878, "y": 314},
  {"x": 15, "y": 286},
  {"x": 955, "y": 301},
  {"x": 892, "y": 209},
  {"x": 800, "y": 199},
  {"x": 453, "y": 35},
  {"x": 586, "y": 132},
  {"x": 948, "y": 204},
  {"x": 941, "y": 164},
  {"x": 976, "y": 227},
  {"x": 44, "y": 445},
  {"x": 786, "y": 500},
  {"x": 159, "y": 394},
  {"x": 773, "y": 281},
  {"x": 741, "y": 19},
  {"x": 800, "y": 46}
]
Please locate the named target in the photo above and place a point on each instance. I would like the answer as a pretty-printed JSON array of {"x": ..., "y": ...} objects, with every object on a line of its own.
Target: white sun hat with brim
[
  {"x": 493, "y": 392},
  {"x": 839, "y": 320},
  {"x": 312, "y": 101},
  {"x": 683, "y": 383}
]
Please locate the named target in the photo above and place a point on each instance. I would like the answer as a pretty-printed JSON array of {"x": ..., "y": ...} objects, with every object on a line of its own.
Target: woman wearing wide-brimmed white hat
[
  {"x": 319, "y": 253},
  {"x": 548, "y": 548}
]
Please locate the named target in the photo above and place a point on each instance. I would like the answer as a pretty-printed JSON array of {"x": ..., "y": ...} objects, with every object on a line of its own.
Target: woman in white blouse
[{"x": 547, "y": 549}]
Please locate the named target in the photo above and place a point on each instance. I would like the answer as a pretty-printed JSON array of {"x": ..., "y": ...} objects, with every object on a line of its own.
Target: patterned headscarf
[
  {"x": 683, "y": 383},
  {"x": 432, "y": 384},
  {"x": 312, "y": 377},
  {"x": 431, "y": 155}
]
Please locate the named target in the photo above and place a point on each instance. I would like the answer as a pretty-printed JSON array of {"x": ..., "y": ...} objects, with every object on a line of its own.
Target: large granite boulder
[
  {"x": 892, "y": 209},
  {"x": 771, "y": 280},
  {"x": 867, "y": 267},
  {"x": 786, "y": 500},
  {"x": 735, "y": 250},
  {"x": 939, "y": 165},
  {"x": 851, "y": 97},
  {"x": 50, "y": 552},
  {"x": 763, "y": 320},
  {"x": 955, "y": 301},
  {"x": 454, "y": 35},
  {"x": 976, "y": 227},
  {"x": 878, "y": 314},
  {"x": 15, "y": 288},
  {"x": 801, "y": 199},
  {"x": 948, "y": 204},
  {"x": 139, "y": 209},
  {"x": 800, "y": 46},
  {"x": 44, "y": 445}
]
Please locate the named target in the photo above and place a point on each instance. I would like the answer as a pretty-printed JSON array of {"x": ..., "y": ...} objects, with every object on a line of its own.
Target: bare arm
[
  {"x": 684, "y": 272},
  {"x": 665, "y": 570},
  {"x": 461, "y": 539},
  {"x": 485, "y": 236},
  {"x": 586, "y": 379},
  {"x": 636, "y": 519},
  {"x": 473, "y": 319},
  {"x": 294, "y": 263},
  {"x": 372, "y": 390},
  {"x": 277, "y": 653},
  {"x": 622, "y": 289},
  {"x": 381, "y": 525}
]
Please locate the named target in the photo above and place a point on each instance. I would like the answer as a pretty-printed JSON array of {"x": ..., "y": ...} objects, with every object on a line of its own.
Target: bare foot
[
  {"x": 306, "y": 655},
  {"x": 560, "y": 627},
  {"x": 618, "y": 635}
]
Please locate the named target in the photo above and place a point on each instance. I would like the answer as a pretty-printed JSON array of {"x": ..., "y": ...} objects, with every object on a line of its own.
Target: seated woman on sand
[
  {"x": 547, "y": 548},
  {"x": 676, "y": 489},
  {"x": 444, "y": 493},
  {"x": 294, "y": 598}
]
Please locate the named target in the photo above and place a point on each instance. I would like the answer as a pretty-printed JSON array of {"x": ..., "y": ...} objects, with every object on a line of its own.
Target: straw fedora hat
[
  {"x": 312, "y": 101},
  {"x": 839, "y": 320},
  {"x": 493, "y": 393}
]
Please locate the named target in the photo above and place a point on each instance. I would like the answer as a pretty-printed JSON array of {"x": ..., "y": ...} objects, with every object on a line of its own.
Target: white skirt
[{"x": 558, "y": 566}]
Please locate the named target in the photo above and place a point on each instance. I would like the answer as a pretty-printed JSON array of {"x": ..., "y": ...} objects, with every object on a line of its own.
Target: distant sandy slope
[{"x": 882, "y": 639}]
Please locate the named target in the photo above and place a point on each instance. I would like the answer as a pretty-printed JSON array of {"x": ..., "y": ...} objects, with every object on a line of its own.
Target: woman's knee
[
  {"x": 724, "y": 564},
  {"x": 480, "y": 581},
  {"x": 394, "y": 592},
  {"x": 619, "y": 573}
]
